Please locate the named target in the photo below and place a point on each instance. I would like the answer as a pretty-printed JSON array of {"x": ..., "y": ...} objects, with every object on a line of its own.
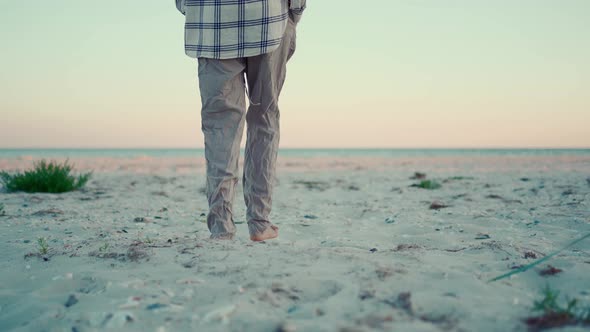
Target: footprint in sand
[{"x": 308, "y": 291}]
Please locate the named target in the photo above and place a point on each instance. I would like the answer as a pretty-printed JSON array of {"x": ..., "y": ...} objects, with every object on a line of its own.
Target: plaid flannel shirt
[{"x": 225, "y": 29}]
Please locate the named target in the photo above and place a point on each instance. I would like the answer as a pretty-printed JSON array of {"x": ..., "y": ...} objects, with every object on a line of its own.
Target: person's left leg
[{"x": 265, "y": 76}]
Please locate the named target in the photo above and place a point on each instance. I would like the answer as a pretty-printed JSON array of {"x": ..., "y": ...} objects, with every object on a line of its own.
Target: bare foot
[{"x": 269, "y": 233}]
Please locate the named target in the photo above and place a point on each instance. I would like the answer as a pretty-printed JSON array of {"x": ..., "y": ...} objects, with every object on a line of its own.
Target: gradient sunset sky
[{"x": 379, "y": 73}]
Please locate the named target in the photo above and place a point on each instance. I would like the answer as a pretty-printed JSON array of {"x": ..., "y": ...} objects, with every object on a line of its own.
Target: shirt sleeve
[
  {"x": 180, "y": 5},
  {"x": 296, "y": 7}
]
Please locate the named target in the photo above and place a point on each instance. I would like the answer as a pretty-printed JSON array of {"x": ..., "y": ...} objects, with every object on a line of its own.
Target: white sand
[{"x": 426, "y": 272}]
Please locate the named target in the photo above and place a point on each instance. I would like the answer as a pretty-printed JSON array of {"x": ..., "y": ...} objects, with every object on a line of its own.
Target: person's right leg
[{"x": 222, "y": 87}]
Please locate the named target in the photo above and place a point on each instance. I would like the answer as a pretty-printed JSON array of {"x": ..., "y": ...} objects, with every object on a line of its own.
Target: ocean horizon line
[{"x": 302, "y": 148}]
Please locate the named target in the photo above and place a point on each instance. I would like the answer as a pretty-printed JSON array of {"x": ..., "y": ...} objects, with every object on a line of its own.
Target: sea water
[{"x": 288, "y": 152}]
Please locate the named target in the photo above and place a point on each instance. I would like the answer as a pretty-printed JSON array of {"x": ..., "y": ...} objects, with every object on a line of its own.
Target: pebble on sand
[
  {"x": 155, "y": 306},
  {"x": 143, "y": 219},
  {"x": 550, "y": 271},
  {"x": 418, "y": 176},
  {"x": 71, "y": 301},
  {"x": 437, "y": 205},
  {"x": 286, "y": 327},
  {"x": 389, "y": 220}
]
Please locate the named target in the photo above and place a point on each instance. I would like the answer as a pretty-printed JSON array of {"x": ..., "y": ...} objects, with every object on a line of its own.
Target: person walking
[{"x": 242, "y": 48}]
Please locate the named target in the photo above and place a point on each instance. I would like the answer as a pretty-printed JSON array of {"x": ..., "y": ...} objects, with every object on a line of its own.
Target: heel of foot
[{"x": 270, "y": 232}]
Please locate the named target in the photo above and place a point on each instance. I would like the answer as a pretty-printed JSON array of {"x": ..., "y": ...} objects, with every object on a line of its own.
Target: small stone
[
  {"x": 373, "y": 249},
  {"x": 418, "y": 176},
  {"x": 389, "y": 220},
  {"x": 286, "y": 327},
  {"x": 550, "y": 271},
  {"x": 530, "y": 254},
  {"x": 482, "y": 236},
  {"x": 143, "y": 219},
  {"x": 437, "y": 205},
  {"x": 71, "y": 301},
  {"x": 310, "y": 216},
  {"x": 155, "y": 306}
]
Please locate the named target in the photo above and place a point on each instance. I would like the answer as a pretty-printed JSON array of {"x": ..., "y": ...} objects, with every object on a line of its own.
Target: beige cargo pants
[{"x": 222, "y": 84}]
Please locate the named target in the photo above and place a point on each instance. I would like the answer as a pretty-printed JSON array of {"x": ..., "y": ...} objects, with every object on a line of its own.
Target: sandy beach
[{"x": 360, "y": 248}]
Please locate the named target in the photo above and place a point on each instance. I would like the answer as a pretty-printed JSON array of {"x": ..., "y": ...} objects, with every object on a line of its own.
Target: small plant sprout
[
  {"x": 43, "y": 246},
  {"x": 104, "y": 247},
  {"x": 428, "y": 184},
  {"x": 2, "y": 212}
]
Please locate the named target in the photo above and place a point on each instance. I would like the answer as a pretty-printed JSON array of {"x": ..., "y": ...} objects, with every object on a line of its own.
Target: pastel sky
[{"x": 379, "y": 73}]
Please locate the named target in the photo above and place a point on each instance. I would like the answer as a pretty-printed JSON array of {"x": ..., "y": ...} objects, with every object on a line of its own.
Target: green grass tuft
[
  {"x": 429, "y": 184},
  {"x": 47, "y": 177},
  {"x": 553, "y": 314}
]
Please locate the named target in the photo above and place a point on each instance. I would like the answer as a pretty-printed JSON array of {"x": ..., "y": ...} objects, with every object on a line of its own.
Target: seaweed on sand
[{"x": 553, "y": 314}]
